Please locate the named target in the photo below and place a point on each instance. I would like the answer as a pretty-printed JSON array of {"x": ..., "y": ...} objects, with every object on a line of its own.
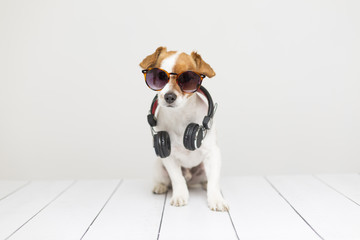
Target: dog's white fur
[{"x": 174, "y": 118}]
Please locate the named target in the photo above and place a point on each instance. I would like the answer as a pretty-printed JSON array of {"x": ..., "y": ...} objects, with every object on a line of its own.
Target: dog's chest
[
  {"x": 175, "y": 124},
  {"x": 187, "y": 158}
]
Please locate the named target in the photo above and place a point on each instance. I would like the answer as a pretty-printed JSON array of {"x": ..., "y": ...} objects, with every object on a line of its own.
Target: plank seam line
[
  {"x": 232, "y": 223},
  {"x": 162, "y": 216},
  {"x": 56, "y": 197},
  {"x": 17, "y": 189},
  {"x": 102, "y": 208},
  {"x": 324, "y": 182},
  {"x": 272, "y": 185}
]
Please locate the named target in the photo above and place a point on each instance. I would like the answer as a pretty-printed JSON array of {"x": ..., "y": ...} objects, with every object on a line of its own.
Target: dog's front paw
[
  {"x": 160, "y": 188},
  {"x": 218, "y": 204},
  {"x": 179, "y": 200}
]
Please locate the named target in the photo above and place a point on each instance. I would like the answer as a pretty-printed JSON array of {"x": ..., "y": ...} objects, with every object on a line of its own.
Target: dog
[{"x": 184, "y": 141}]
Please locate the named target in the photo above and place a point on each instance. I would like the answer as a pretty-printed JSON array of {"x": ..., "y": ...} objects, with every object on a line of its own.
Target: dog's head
[{"x": 175, "y": 62}]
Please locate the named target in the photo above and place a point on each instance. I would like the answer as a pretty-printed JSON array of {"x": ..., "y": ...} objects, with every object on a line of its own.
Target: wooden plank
[
  {"x": 132, "y": 213},
  {"x": 346, "y": 184},
  {"x": 20, "y": 207},
  {"x": 195, "y": 220},
  {"x": 8, "y": 187},
  {"x": 70, "y": 215},
  {"x": 328, "y": 212},
  {"x": 259, "y": 212}
]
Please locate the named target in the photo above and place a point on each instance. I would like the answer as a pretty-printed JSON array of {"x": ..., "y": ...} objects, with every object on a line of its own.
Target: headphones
[{"x": 194, "y": 133}]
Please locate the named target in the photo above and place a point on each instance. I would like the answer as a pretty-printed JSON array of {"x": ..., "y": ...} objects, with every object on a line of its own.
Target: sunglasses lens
[
  {"x": 156, "y": 79},
  {"x": 189, "y": 81}
]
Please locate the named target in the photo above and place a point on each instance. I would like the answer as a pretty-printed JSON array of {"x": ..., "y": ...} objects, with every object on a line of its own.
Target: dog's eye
[
  {"x": 162, "y": 76},
  {"x": 186, "y": 77}
]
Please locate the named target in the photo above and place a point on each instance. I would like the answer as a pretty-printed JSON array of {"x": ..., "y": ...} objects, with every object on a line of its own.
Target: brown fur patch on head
[
  {"x": 184, "y": 63},
  {"x": 202, "y": 66},
  {"x": 155, "y": 59}
]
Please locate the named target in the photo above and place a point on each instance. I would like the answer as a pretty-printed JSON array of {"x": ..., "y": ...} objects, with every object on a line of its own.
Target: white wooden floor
[{"x": 273, "y": 207}]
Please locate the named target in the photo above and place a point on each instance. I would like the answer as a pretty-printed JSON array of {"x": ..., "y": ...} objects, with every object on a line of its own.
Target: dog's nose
[{"x": 170, "y": 97}]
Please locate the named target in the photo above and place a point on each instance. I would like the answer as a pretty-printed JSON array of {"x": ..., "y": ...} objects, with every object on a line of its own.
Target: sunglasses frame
[{"x": 202, "y": 76}]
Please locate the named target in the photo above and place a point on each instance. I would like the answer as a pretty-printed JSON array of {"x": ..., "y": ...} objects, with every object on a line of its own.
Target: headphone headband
[
  {"x": 210, "y": 114},
  {"x": 211, "y": 111},
  {"x": 151, "y": 116}
]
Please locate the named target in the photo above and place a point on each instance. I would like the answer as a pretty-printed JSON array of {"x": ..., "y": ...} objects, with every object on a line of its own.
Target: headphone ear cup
[
  {"x": 193, "y": 136},
  {"x": 199, "y": 137},
  {"x": 156, "y": 144},
  {"x": 187, "y": 136},
  {"x": 162, "y": 144}
]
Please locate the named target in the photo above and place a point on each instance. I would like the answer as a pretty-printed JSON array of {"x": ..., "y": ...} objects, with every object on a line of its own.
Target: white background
[{"x": 73, "y": 101}]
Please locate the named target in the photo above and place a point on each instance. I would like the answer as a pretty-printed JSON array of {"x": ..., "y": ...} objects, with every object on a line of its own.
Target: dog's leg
[
  {"x": 212, "y": 168},
  {"x": 161, "y": 178},
  {"x": 180, "y": 191}
]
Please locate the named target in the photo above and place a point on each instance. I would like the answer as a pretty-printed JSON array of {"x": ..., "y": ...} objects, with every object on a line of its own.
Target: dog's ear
[
  {"x": 150, "y": 60},
  {"x": 202, "y": 66}
]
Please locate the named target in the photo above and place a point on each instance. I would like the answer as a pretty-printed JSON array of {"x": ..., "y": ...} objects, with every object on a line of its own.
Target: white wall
[{"x": 73, "y": 101}]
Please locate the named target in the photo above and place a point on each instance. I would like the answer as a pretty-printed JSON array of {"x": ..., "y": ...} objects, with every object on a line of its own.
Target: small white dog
[{"x": 183, "y": 129}]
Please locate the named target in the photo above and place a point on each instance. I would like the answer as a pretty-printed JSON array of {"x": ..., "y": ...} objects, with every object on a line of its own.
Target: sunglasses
[{"x": 157, "y": 78}]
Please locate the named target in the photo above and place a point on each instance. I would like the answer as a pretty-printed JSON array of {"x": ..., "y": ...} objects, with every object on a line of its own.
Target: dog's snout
[{"x": 170, "y": 97}]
